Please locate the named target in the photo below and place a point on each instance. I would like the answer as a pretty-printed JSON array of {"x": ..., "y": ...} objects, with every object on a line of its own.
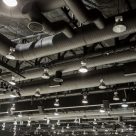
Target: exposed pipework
[
  {"x": 83, "y": 15},
  {"x": 110, "y": 76},
  {"x": 71, "y": 115},
  {"x": 54, "y": 44}
]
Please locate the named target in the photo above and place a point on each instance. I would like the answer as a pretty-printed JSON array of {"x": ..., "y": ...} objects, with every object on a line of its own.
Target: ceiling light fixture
[
  {"x": 56, "y": 113},
  {"x": 3, "y": 126},
  {"x": 58, "y": 122},
  {"x": 10, "y": 3},
  {"x": 56, "y": 103},
  {"x": 102, "y": 84},
  {"x": 58, "y": 77},
  {"x": 102, "y": 109},
  {"x": 119, "y": 26},
  {"x": 83, "y": 68},
  {"x": 130, "y": 128},
  {"x": 124, "y": 104},
  {"x": 13, "y": 94},
  {"x": 12, "y": 81},
  {"x": 85, "y": 100},
  {"x": 20, "y": 115},
  {"x": 10, "y": 55},
  {"x": 95, "y": 122},
  {"x": 84, "y": 133},
  {"x": 12, "y": 107},
  {"x": 67, "y": 127},
  {"x": 53, "y": 127},
  {"x": 37, "y": 93},
  {"x": 103, "y": 126},
  {"x": 46, "y": 74},
  {"x": 116, "y": 132},
  {"x": 62, "y": 130},
  {"x": 116, "y": 97}
]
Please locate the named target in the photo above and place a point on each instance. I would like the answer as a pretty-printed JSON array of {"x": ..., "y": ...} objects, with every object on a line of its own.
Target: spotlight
[
  {"x": 124, "y": 104},
  {"x": 12, "y": 81},
  {"x": 67, "y": 127},
  {"x": 102, "y": 84},
  {"x": 116, "y": 97},
  {"x": 37, "y": 93},
  {"x": 102, "y": 109},
  {"x": 83, "y": 68},
  {"x": 58, "y": 77},
  {"x": 84, "y": 100},
  {"x": 46, "y": 74},
  {"x": 56, "y": 104},
  {"x": 56, "y": 112},
  {"x": 73, "y": 132},
  {"x": 10, "y": 55},
  {"x": 10, "y": 3},
  {"x": 119, "y": 26},
  {"x": 21, "y": 123}
]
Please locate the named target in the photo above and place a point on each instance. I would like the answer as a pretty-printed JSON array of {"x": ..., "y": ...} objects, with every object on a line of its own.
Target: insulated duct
[
  {"x": 83, "y": 15},
  {"x": 110, "y": 76},
  {"x": 75, "y": 65},
  {"x": 54, "y": 44}
]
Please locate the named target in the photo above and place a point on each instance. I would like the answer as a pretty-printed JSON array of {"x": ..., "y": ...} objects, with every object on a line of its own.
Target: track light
[
  {"x": 12, "y": 81},
  {"x": 10, "y": 3},
  {"x": 124, "y": 104},
  {"x": 21, "y": 123},
  {"x": 102, "y": 84},
  {"x": 67, "y": 127},
  {"x": 46, "y": 74},
  {"x": 103, "y": 126},
  {"x": 58, "y": 123},
  {"x": 56, "y": 103},
  {"x": 58, "y": 77},
  {"x": 83, "y": 68},
  {"x": 102, "y": 109},
  {"x": 73, "y": 132},
  {"x": 10, "y": 55},
  {"x": 37, "y": 93},
  {"x": 116, "y": 97},
  {"x": 84, "y": 100},
  {"x": 119, "y": 26},
  {"x": 56, "y": 113}
]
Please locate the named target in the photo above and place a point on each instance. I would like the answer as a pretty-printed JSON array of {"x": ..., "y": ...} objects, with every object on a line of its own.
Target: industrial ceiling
[{"x": 67, "y": 67}]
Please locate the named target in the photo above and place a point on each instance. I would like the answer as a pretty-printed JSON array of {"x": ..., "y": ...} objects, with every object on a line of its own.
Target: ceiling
[{"x": 65, "y": 70}]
